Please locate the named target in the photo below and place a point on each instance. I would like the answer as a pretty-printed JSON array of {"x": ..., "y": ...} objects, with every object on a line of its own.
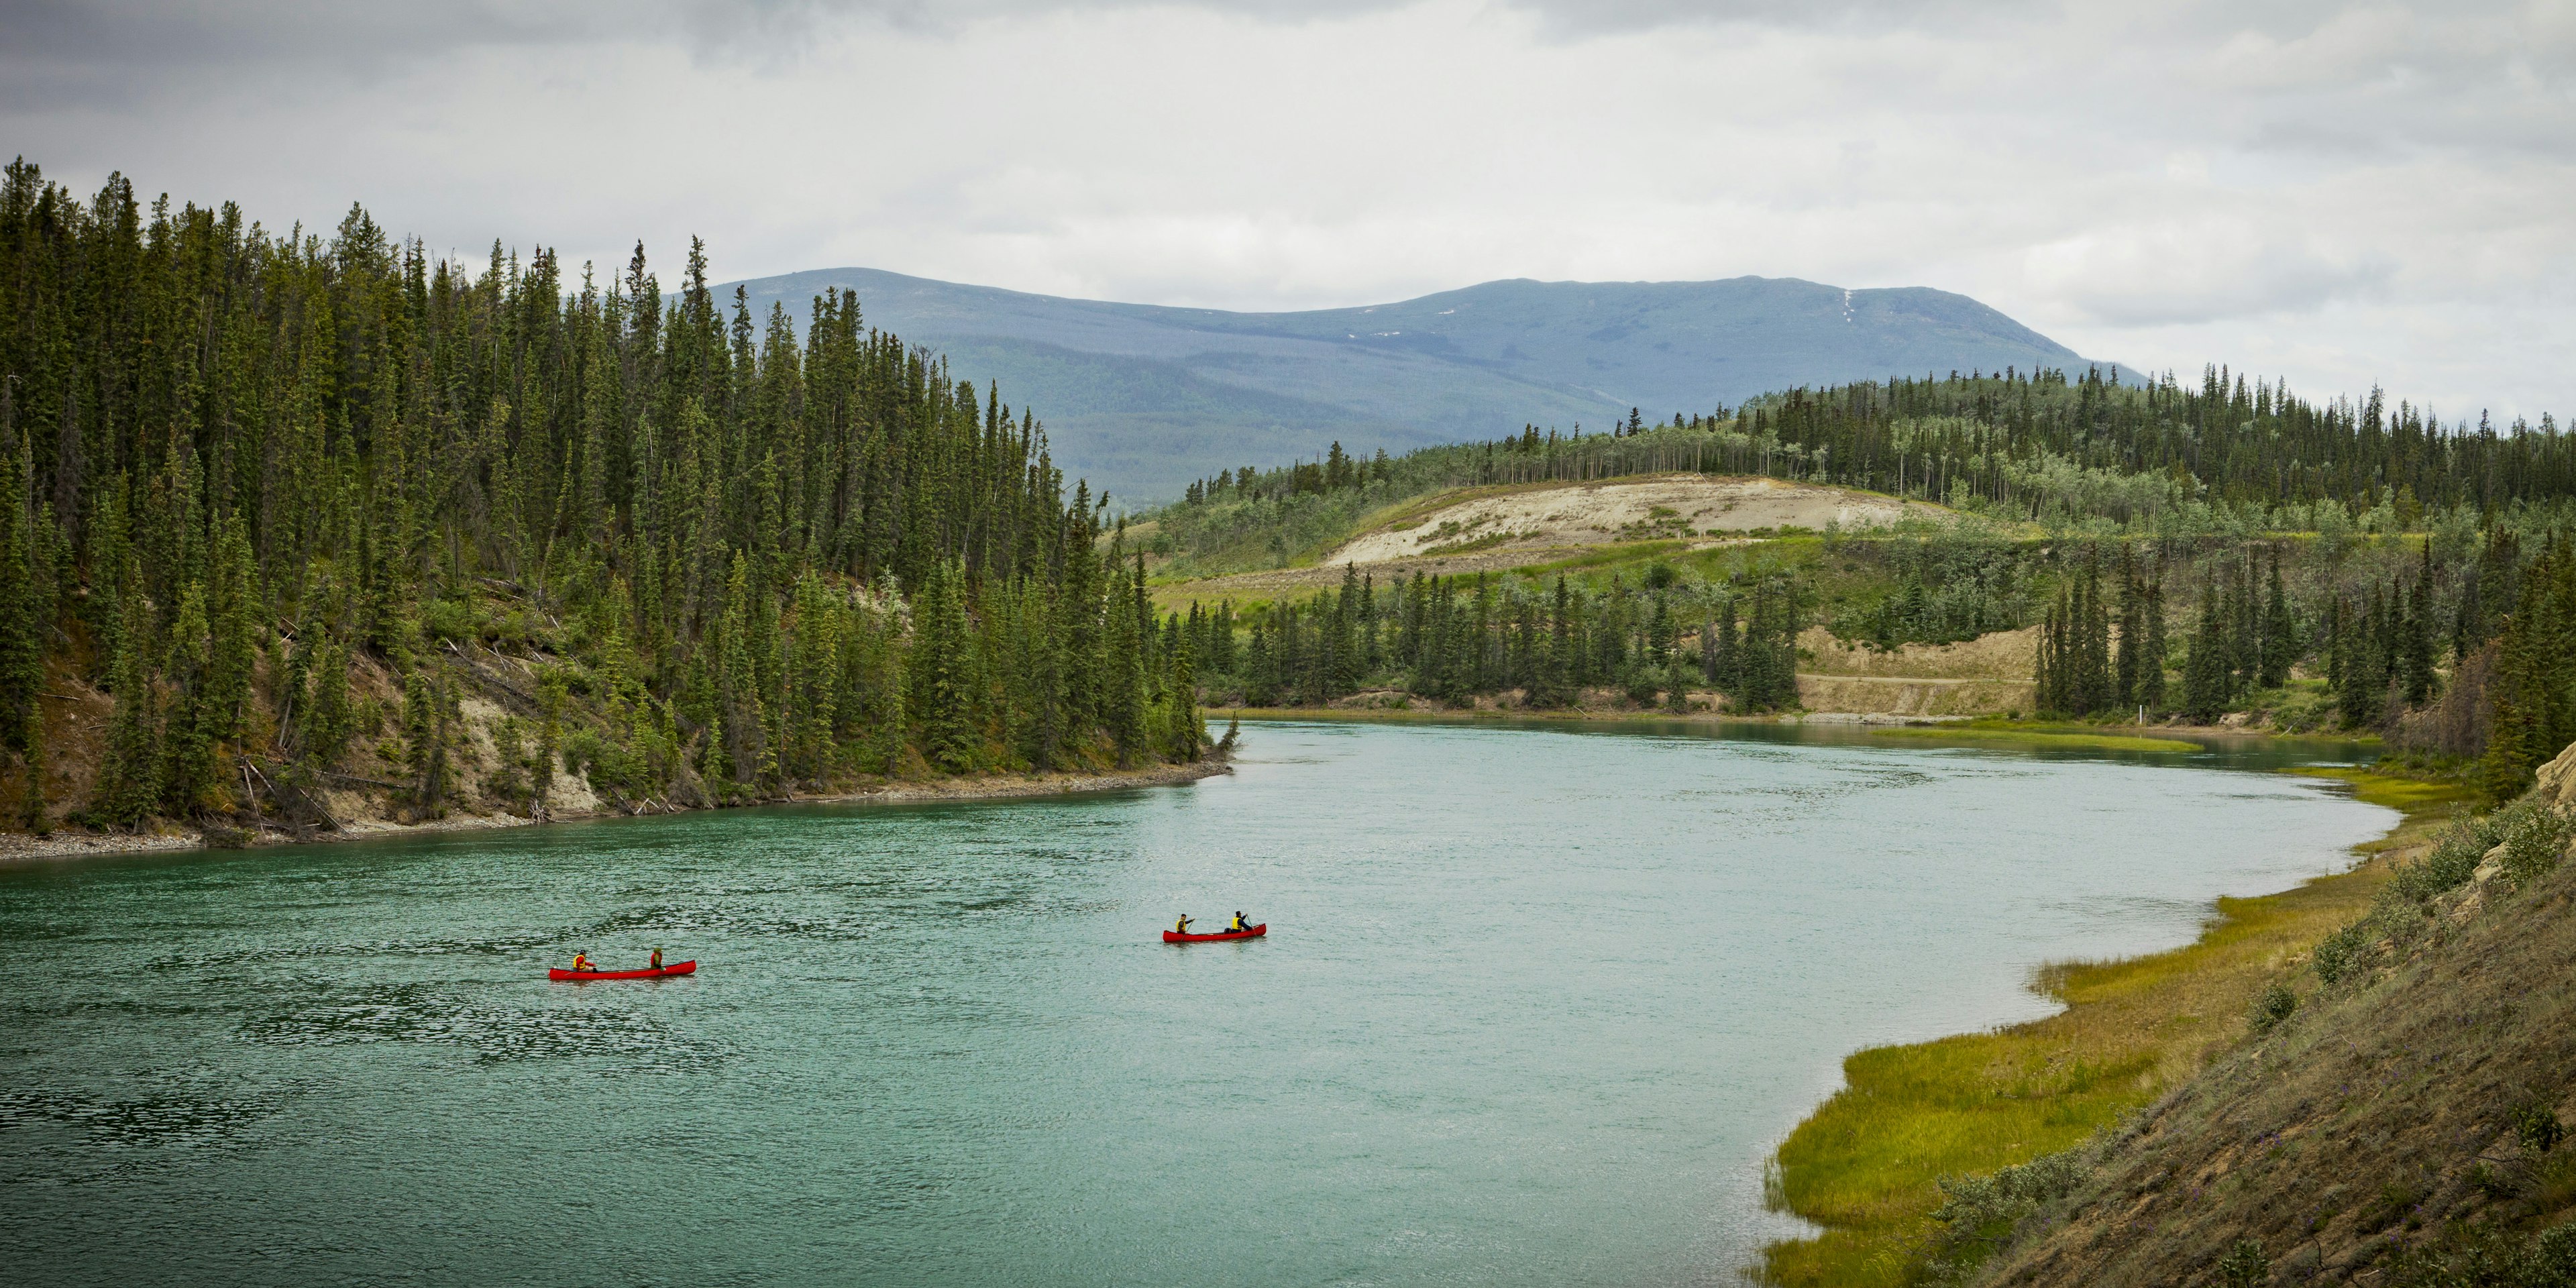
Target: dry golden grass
[{"x": 1865, "y": 1165}]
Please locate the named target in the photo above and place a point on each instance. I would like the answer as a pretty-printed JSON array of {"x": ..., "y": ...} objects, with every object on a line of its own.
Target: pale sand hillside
[
  {"x": 1988, "y": 675},
  {"x": 1636, "y": 509}
]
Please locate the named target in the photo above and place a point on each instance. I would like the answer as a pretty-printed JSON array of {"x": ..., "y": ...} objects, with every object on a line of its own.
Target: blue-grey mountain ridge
[{"x": 1140, "y": 398}]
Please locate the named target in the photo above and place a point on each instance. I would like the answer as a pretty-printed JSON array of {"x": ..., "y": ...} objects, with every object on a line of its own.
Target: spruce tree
[
  {"x": 426, "y": 731},
  {"x": 2280, "y": 647},
  {"x": 941, "y": 672},
  {"x": 1189, "y": 733},
  {"x": 2048, "y": 678},
  {"x": 2338, "y": 644},
  {"x": 2151, "y": 659},
  {"x": 129, "y": 776},
  {"x": 189, "y": 781},
  {"x": 2534, "y": 684},
  {"x": 541, "y": 776},
  {"x": 329, "y": 718},
  {"x": 2125, "y": 676},
  {"x": 233, "y": 623},
  {"x": 2415, "y": 645},
  {"x": 2093, "y": 690},
  {"x": 2365, "y": 679},
  {"x": 1727, "y": 675},
  {"x": 2205, "y": 679}
]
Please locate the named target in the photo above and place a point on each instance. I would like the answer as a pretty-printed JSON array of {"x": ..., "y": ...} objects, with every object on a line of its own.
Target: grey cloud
[
  {"x": 147, "y": 32},
  {"x": 2176, "y": 293},
  {"x": 195, "y": 32},
  {"x": 2082, "y": 164},
  {"x": 115, "y": 52}
]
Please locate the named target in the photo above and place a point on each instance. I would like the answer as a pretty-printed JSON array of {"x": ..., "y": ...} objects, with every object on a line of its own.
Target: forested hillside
[
  {"x": 297, "y": 502},
  {"x": 2222, "y": 549}
]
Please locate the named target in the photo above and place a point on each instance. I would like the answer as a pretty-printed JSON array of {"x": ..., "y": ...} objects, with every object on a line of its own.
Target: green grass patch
[
  {"x": 2410, "y": 795},
  {"x": 2039, "y": 738},
  {"x": 1866, "y": 1165},
  {"x": 1427, "y": 709},
  {"x": 1603, "y": 558}
]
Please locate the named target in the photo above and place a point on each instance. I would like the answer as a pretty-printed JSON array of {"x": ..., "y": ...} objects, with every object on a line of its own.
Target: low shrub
[
  {"x": 2396, "y": 1202},
  {"x": 1641, "y": 686},
  {"x": 2535, "y": 839},
  {"x": 2336, "y": 954},
  {"x": 610, "y": 766},
  {"x": 449, "y": 619},
  {"x": 2494, "y": 1182},
  {"x": 2550, "y": 1261},
  {"x": 2243, "y": 1265},
  {"x": 2274, "y": 1006},
  {"x": 2536, "y": 1125},
  {"x": 2490, "y": 1258},
  {"x": 2453, "y": 861},
  {"x": 2553, "y": 1183},
  {"x": 1979, "y": 1212}
]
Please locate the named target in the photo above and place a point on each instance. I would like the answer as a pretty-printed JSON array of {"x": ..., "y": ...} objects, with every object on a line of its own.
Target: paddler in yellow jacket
[
  {"x": 1181, "y": 927},
  {"x": 1238, "y": 925},
  {"x": 581, "y": 962}
]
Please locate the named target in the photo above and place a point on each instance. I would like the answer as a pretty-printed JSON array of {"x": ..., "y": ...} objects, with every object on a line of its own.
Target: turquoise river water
[{"x": 1535, "y": 1006}]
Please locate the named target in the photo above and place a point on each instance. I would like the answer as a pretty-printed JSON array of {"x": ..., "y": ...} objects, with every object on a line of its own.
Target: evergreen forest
[
  {"x": 2189, "y": 552},
  {"x": 302, "y": 514},
  {"x": 295, "y": 513}
]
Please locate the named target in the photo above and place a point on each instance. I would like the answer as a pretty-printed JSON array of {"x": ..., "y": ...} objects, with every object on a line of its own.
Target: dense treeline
[
  {"x": 2237, "y": 443},
  {"x": 1451, "y": 639},
  {"x": 2367, "y": 550},
  {"x": 2451, "y": 644},
  {"x": 2088, "y": 453},
  {"x": 256, "y": 473},
  {"x": 2464, "y": 651}
]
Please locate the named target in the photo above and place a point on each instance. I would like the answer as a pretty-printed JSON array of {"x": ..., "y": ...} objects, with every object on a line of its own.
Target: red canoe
[
  {"x": 585, "y": 976},
  {"x": 1176, "y": 937}
]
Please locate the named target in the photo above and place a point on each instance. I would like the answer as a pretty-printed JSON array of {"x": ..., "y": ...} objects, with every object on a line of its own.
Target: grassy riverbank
[
  {"x": 1866, "y": 1164},
  {"x": 2065, "y": 738}
]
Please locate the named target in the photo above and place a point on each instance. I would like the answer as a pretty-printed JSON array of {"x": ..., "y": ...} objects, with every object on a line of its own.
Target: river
[{"x": 1535, "y": 1005}]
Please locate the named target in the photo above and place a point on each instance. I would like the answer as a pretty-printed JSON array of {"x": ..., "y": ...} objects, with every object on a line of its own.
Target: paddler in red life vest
[
  {"x": 657, "y": 959},
  {"x": 1181, "y": 927},
  {"x": 581, "y": 962}
]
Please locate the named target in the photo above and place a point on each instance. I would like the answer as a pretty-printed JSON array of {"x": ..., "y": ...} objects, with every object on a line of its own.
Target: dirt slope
[
  {"x": 1630, "y": 509},
  {"x": 1988, "y": 675},
  {"x": 2377, "y": 1118}
]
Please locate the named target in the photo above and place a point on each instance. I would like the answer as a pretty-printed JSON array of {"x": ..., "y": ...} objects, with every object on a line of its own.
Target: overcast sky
[{"x": 2341, "y": 194}]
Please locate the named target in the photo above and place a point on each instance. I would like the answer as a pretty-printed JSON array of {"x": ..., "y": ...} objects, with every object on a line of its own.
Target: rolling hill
[{"x": 1142, "y": 398}]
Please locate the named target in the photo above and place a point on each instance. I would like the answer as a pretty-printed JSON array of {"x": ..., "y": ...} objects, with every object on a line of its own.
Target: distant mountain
[{"x": 1141, "y": 398}]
